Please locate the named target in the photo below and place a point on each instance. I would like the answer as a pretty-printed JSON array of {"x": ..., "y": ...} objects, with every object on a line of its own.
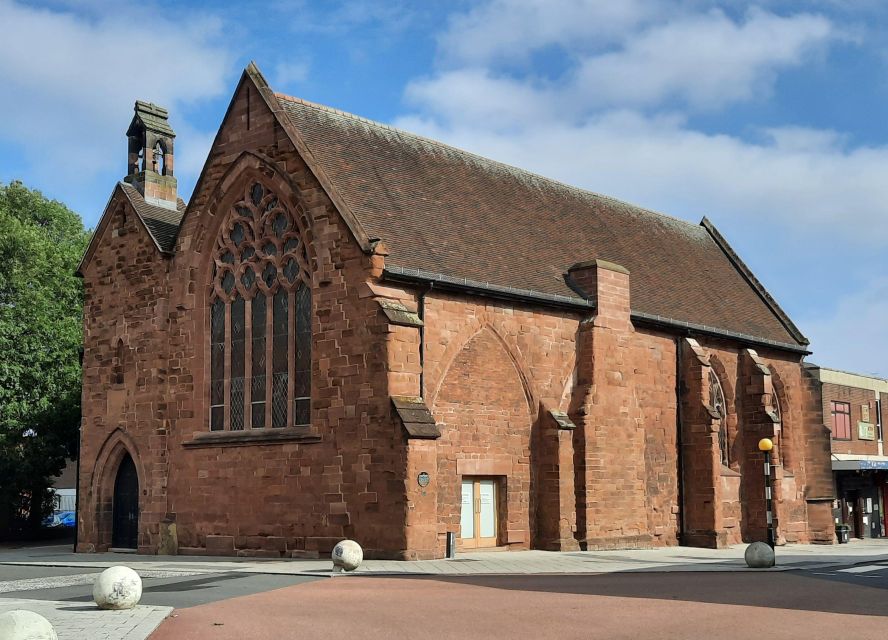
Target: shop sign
[{"x": 866, "y": 431}]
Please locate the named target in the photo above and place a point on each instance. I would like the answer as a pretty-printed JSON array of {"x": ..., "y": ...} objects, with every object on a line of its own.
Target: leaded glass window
[
  {"x": 260, "y": 318},
  {"x": 778, "y": 413},
  {"x": 717, "y": 402},
  {"x": 217, "y": 365}
]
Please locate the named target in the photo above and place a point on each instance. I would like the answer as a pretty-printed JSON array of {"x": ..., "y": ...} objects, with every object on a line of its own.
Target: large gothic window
[
  {"x": 717, "y": 402},
  {"x": 260, "y": 318}
]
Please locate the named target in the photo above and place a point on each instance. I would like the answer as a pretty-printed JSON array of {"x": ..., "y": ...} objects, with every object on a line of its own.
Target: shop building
[{"x": 854, "y": 407}]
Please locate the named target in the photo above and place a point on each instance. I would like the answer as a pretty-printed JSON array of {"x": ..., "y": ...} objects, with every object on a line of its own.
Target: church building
[{"x": 351, "y": 331}]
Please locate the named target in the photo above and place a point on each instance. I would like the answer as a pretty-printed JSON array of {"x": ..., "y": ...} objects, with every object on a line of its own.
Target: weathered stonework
[{"x": 595, "y": 426}]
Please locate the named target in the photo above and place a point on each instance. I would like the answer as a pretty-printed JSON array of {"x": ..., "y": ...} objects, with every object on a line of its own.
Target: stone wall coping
[
  {"x": 252, "y": 436},
  {"x": 600, "y": 264},
  {"x": 563, "y": 420}
]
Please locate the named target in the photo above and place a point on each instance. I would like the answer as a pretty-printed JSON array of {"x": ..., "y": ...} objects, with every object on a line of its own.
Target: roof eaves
[
  {"x": 90, "y": 248},
  {"x": 754, "y": 282},
  {"x": 142, "y": 220},
  {"x": 443, "y": 281},
  {"x": 474, "y": 287},
  {"x": 661, "y": 321}
]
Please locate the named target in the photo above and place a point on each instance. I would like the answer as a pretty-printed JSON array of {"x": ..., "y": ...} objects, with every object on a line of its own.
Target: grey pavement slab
[
  {"x": 477, "y": 563},
  {"x": 77, "y": 621}
]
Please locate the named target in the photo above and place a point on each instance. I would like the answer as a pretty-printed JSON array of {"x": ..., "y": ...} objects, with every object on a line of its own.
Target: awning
[{"x": 850, "y": 462}]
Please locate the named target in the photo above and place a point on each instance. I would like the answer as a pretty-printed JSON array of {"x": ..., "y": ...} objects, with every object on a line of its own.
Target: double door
[{"x": 478, "y": 515}]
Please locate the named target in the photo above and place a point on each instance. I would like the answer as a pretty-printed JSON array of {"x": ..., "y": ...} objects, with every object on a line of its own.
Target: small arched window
[
  {"x": 717, "y": 402},
  {"x": 260, "y": 318},
  {"x": 117, "y": 370}
]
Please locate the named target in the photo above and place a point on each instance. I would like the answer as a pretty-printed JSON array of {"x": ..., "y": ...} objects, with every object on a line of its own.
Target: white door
[
  {"x": 467, "y": 512},
  {"x": 478, "y": 513}
]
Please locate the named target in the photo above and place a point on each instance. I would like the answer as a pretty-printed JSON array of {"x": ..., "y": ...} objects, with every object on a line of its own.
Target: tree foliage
[{"x": 41, "y": 302}]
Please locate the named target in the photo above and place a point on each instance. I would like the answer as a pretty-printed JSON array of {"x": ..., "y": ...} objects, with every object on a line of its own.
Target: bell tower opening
[{"x": 150, "y": 157}]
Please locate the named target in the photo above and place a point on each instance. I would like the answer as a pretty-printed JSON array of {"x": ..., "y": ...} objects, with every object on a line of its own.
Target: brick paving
[{"x": 80, "y": 621}]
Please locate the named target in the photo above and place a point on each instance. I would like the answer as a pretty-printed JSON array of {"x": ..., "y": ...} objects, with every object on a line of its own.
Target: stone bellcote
[{"x": 150, "y": 158}]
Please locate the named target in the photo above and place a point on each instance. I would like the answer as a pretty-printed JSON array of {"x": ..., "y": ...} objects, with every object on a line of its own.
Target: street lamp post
[{"x": 765, "y": 446}]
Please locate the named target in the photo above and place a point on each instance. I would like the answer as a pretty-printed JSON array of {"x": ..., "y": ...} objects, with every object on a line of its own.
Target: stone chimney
[
  {"x": 607, "y": 285},
  {"x": 150, "y": 160}
]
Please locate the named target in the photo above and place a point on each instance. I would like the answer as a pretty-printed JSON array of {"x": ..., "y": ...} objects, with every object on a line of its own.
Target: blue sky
[{"x": 768, "y": 118}]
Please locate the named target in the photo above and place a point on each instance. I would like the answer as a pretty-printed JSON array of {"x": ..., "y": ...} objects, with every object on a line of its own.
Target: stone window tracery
[
  {"x": 778, "y": 413},
  {"x": 717, "y": 402},
  {"x": 260, "y": 318}
]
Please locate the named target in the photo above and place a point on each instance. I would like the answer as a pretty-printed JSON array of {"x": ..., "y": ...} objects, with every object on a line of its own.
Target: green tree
[{"x": 41, "y": 303}]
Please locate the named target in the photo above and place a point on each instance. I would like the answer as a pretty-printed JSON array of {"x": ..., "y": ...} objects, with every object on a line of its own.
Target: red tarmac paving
[{"x": 650, "y": 606}]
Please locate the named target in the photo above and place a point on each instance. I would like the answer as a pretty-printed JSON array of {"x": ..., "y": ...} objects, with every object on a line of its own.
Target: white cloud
[
  {"x": 473, "y": 97},
  {"x": 352, "y": 17},
  {"x": 291, "y": 72},
  {"x": 707, "y": 60},
  {"x": 851, "y": 334},
  {"x": 600, "y": 127},
  {"x": 703, "y": 60},
  {"x": 69, "y": 77},
  {"x": 501, "y": 30}
]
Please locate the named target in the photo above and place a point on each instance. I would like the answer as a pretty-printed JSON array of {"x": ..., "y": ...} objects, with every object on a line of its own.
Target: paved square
[{"x": 79, "y": 621}]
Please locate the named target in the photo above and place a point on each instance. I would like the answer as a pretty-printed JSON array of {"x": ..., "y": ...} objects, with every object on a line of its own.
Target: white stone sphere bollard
[
  {"x": 21, "y": 624},
  {"x": 117, "y": 588},
  {"x": 347, "y": 555},
  {"x": 759, "y": 555}
]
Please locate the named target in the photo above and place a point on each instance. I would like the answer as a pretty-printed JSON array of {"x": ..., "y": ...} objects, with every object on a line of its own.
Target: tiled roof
[
  {"x": 445, "y": 211},
  {"x": 162, "y": 223}
]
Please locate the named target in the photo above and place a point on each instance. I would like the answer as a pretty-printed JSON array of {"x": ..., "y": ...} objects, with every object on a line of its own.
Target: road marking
[{"x": 864, "y": 569}]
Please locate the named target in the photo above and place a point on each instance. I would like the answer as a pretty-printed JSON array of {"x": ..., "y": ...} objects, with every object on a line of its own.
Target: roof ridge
[{"x": 485, "y": 159}]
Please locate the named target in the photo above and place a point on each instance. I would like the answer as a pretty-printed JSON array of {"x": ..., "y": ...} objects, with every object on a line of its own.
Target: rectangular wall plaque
[{"x": 866, "y": 431}]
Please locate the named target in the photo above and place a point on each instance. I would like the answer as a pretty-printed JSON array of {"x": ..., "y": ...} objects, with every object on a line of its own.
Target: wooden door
[
  {"x": 125, "y": 531},
  {"x": 478, "y": 514}
]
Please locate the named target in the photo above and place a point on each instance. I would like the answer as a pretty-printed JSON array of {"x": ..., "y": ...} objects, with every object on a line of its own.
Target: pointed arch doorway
[{"x": 125, "y": 523}]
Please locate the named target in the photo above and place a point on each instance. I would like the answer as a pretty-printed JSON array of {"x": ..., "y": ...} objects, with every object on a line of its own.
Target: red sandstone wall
[
  {"x": 655, "y": 393},
  {"x": 124, "y": 289},
  {"x": 301, "y": 496},
  {"x": 491, "y": 370},
  {"x": 489, "y": 366},
  {"x": 485, "y": 431},
  {"x": 257, "y": 498}
]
